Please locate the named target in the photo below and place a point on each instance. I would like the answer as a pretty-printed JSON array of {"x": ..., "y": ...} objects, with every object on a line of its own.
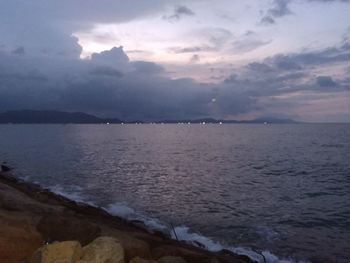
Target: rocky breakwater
[
  {"x": 101, "y": 250},
  {"x": 38, "y": 226}
]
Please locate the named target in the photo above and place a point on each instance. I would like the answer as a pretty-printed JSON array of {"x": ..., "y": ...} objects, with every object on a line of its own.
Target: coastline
[{"x": 31, "y": 216}]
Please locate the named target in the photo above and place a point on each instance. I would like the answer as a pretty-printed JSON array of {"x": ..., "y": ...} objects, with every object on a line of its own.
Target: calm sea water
[{"x": 278, "y": 188}]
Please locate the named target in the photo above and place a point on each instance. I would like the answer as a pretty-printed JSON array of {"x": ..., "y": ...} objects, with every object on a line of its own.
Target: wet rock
[
  {"x": 104, "y": 250},
  {"x": 141, "y": 260},
  {"x": 14, "y": 200},
  {"x": 171, "y": 260},
  {"x": 18, "y": 238},
  {"x": 60, "y": 228},
  {"x": 5, "y": 168},
  {"x": 135, "y": 248},
  {"x": 187, "y": 254},
  {"x": 238, "y": 258},
  {"x": 58, "y": 252}
]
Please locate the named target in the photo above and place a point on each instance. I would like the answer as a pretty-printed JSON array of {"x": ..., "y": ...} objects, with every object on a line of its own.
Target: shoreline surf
[{"x": 122, "y": 211}]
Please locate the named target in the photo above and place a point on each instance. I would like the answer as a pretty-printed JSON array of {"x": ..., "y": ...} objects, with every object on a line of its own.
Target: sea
[{"x": 277, "y": 191}]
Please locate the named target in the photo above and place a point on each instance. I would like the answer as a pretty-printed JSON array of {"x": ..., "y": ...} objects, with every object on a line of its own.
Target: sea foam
[{"x": 182, "y": 233}]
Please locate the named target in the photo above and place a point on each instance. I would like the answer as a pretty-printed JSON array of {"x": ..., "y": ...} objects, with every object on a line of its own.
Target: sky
[{"x": 173, "y": 59}]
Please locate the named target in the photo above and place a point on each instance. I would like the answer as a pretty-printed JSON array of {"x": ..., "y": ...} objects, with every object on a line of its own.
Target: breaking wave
[{"x": 182, "y": 233}]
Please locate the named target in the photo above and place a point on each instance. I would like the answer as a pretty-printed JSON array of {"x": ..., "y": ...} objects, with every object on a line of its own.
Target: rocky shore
[{"x": 38, "y": 226}]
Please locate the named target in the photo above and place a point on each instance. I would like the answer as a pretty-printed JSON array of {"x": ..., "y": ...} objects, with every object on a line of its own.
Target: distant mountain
[
  {"x": 32, "y": 116},
  {"x": 211, "y": 120},
  {"x": 271, "y": 120}
]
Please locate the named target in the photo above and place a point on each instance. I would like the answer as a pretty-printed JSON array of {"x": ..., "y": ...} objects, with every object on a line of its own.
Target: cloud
[
  {"x": 178, "y": 13},
  {"x": 106, "y": 71},
  {"x": 326, "y": 56},
  {"x": 330, "y": 1},
  {"x": 145, "y": 67},
  {"x": 279, "y": 9},
  {"x": 183, "y": 10},
  {"x": 81, "y": 11},
  {"x": 195, "y": 58},
  {"x": 18, "y": 51},
  {"x": 114, "y": 57},
  {"x": 212, "y": 39},
  {"x": 288, "y": 75},
  {"x": 139, "y": 90},
  {"x": 46, "y": 27},
  {"x": 248, "y": 44},
  {"x": 218, "y": 37},
  {"x": 326, "y": 81},
  {"x": 40, "y": 65},
  {"x": 180, "y": 50},
  {"x": 267, "y": 20},
  {"x": 110, "y": 84}
]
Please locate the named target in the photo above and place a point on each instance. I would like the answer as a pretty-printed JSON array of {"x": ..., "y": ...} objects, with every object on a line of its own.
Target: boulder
[
  {"x": 104, "y": 250},
  {"x": 58, "y": 252},
  {"x": 170, "y": 259},
  {"x": 18, "y": 238},
  {"x": 61, "y": 228},
  {"x": 133, "y": 247}
]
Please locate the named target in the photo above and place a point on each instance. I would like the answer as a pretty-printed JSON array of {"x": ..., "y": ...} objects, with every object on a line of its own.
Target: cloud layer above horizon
[{"x": 173, "y": 59}]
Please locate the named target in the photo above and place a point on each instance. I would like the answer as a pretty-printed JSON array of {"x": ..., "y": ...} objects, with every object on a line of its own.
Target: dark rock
[
  {"x": 61, "y": 228},
  {"x": 199, "y": 244},
  {"x": 5, "y": 168},
  {"x": 18, "y": 238},
  {"x": 188, "y": 255},
  {"x": 239, "y": 258}
]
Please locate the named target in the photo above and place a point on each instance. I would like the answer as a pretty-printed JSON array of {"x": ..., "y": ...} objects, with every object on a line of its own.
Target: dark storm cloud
[
  {"x": 139, "y": 90},
  {"x": 316, "y": 58},
  {"x": 86, "y": 11},
  {"x": 145, "y": 67},
  {"x": 283, "y": 74},
  {"x": 114, "y": 57},
  {"x": 45, "y": 27},
  {"x": 107, "y": 71},
  {"x": 111, "y": 85}
]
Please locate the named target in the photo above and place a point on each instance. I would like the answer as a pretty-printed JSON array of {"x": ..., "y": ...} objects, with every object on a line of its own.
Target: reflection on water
[{"x": 284, "y": 188}]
